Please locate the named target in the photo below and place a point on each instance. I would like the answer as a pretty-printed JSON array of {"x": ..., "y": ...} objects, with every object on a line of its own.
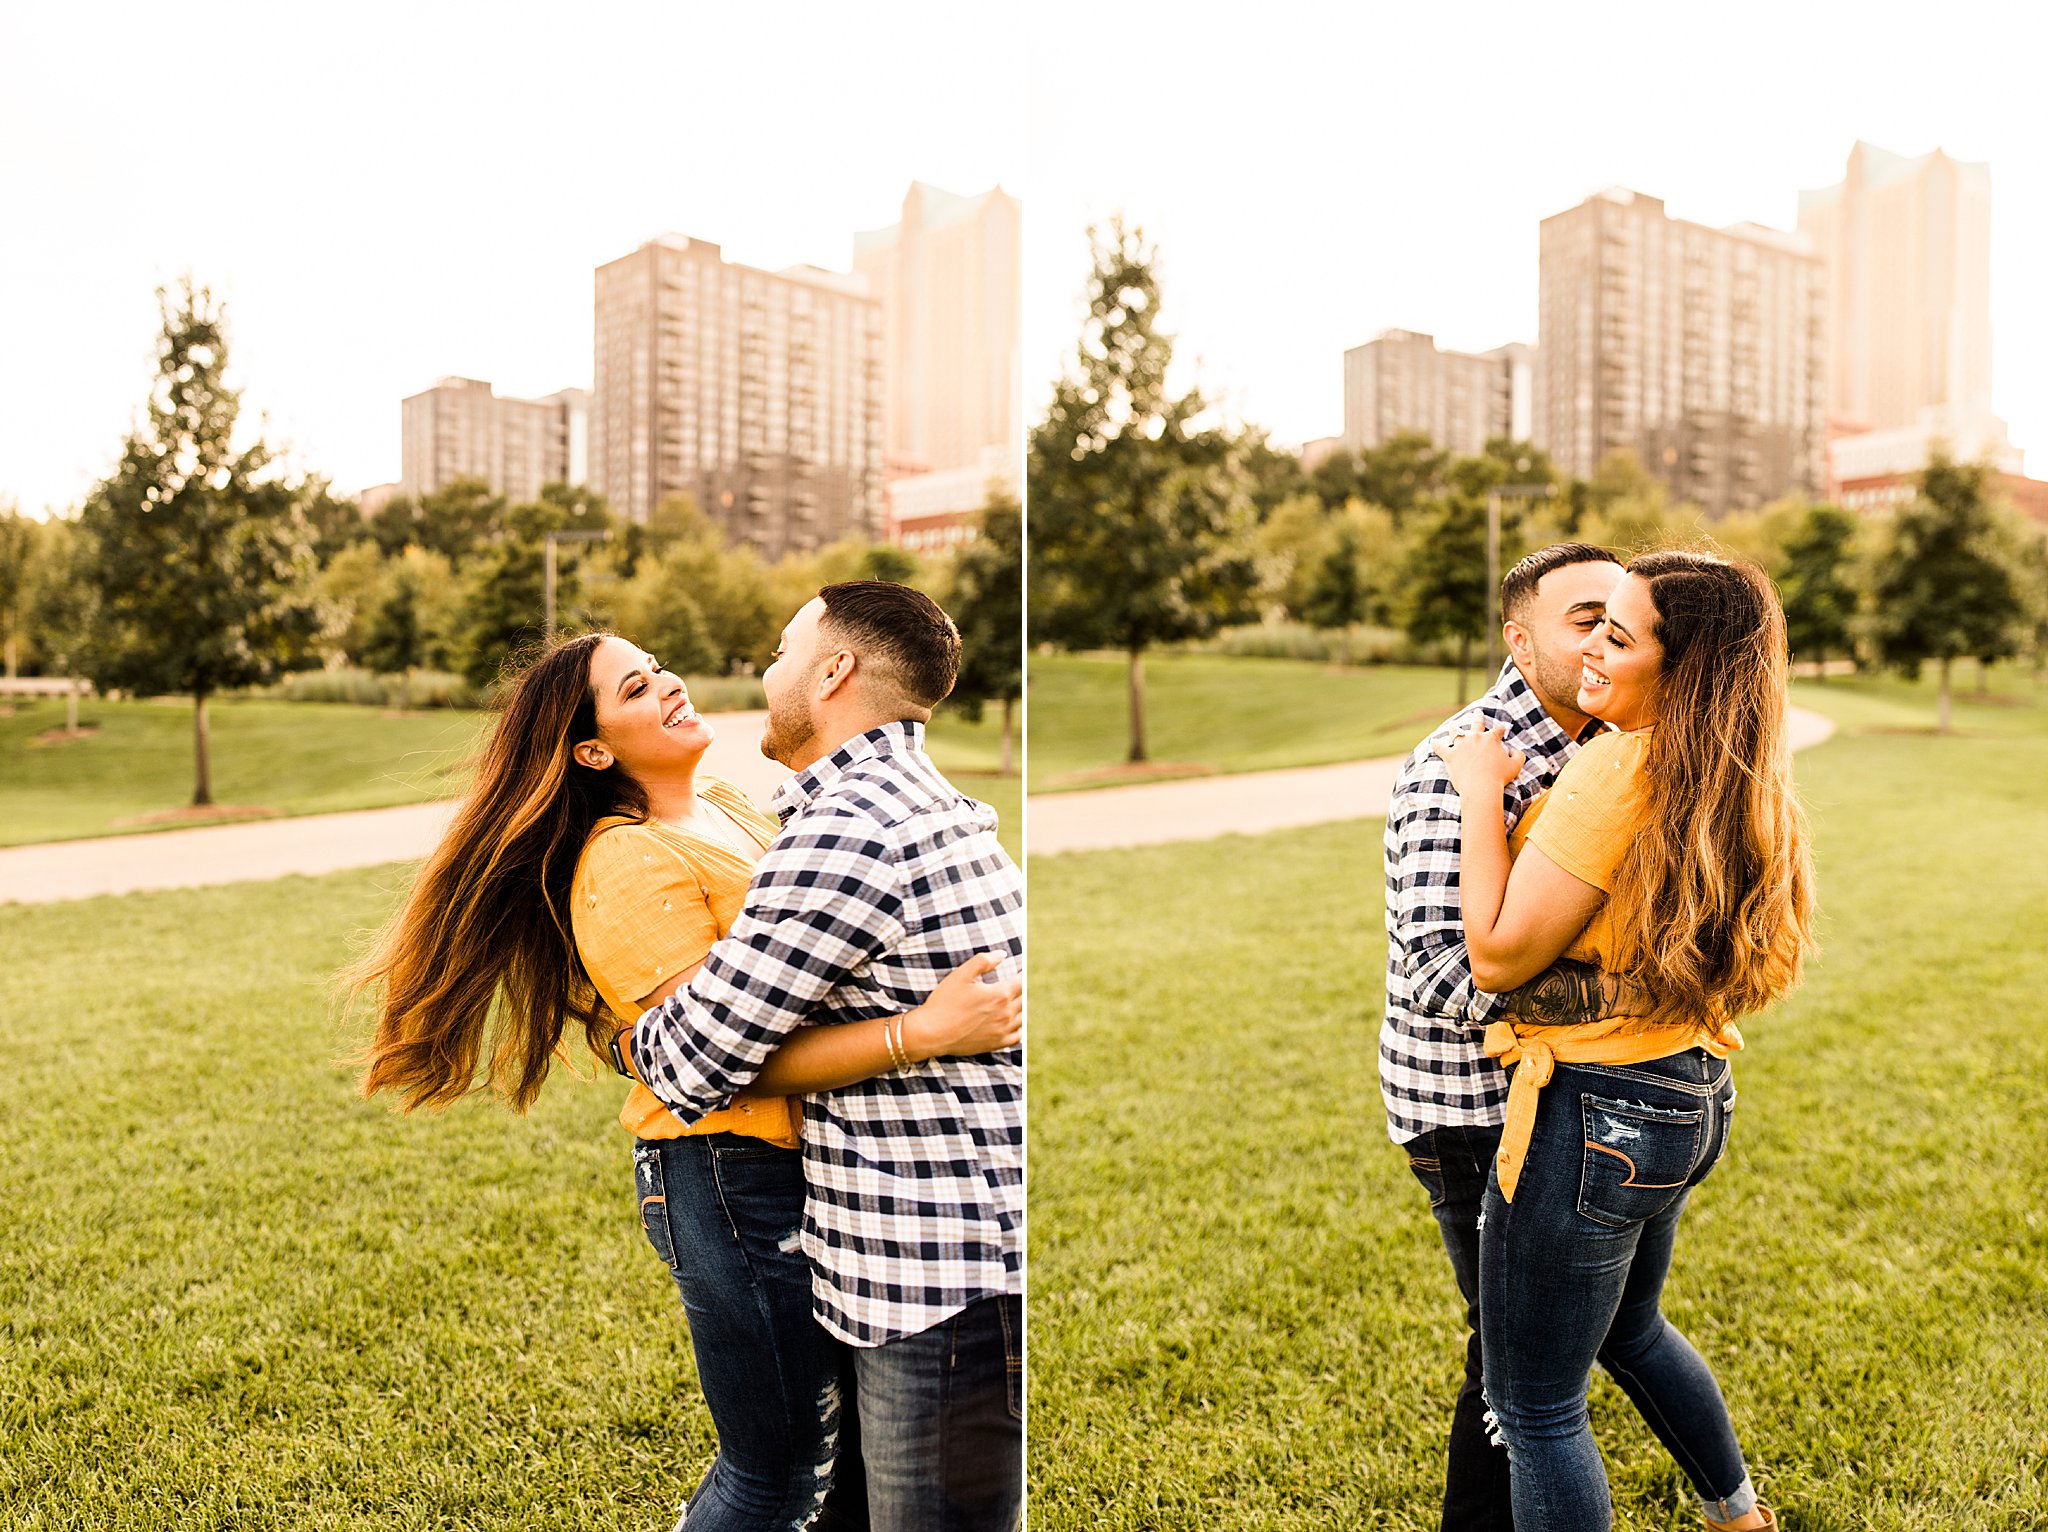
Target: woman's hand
[
  {"x": 1480, "y": 761},
  {"x": 967, "y": 1015}
]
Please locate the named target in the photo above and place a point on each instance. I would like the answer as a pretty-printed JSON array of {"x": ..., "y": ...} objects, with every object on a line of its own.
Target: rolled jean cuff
[{"x": 1739, "y": 1503}]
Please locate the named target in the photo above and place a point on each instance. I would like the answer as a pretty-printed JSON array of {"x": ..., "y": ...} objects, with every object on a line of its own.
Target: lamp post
[
  {"x": 1494, "y": 496},
  {"x": 548, "y": 544}
]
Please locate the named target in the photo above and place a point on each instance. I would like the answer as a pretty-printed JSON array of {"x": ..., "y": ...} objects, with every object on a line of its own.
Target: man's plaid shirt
[
  {"x": 883, "y": 880},
  {"x": 1433, "y": 1073}
]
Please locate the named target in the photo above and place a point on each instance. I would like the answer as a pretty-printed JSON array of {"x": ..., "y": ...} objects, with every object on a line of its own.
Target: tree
[
  {"x": 1443, "y": 577},
  {"x": 987, "y": 603},
  {"x": 351, "y": 585},
  {"x": 1813, "y": 574},
  {"x": 1138, "y": 527},
  {"x": 201, "y": 565},
  {"x": 1272, "y": 477},
  {"x": 17, "y": 551},
  {"x": 397, "y": 636},
  {"x": 63, "y": 607},
  {"x": 658, "y": 610},
  {"x": 1947, "y": 585},
  {"x": 1402, "y": 472},
  {"x": 1337, "y": 593}
]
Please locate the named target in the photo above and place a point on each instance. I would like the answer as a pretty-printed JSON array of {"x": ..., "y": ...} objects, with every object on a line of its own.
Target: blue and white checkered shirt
[
  {"x": 1433, "y": 1072},
  {"x": 883, "y": 880}
]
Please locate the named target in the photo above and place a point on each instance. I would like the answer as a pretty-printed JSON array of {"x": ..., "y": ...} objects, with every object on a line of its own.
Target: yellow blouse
[
  {"x": 1584, "y": 823},
  {"x": 648, "y": 900}
]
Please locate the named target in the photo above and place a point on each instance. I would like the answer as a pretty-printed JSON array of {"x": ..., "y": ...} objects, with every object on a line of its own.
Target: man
[
  {"x": 883, "y": 880},
  {"x": 1444, "y": 1097}
]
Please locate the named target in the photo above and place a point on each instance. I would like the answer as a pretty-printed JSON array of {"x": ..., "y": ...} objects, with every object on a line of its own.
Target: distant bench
[{"x": 43, "y": 686}]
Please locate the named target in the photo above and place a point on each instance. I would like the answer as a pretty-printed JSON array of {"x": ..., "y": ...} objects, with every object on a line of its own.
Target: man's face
[
  {"x": 788, "y": 681},
  {"x": 1565, "y": 607}
]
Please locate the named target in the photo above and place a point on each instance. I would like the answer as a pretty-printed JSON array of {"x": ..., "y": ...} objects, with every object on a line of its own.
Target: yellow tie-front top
[
  {"x": 648, "y": 900},
  {"x": 1584, "y": 823}
]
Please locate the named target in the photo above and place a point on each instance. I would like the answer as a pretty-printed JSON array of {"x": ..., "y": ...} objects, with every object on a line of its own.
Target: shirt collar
[{"x": 905, "y": 736}]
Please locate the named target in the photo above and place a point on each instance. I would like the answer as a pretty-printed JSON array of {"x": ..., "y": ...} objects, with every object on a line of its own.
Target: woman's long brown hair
[
  {"x": 483, "y": 953},
  {"x": 1713, "y": 904}
]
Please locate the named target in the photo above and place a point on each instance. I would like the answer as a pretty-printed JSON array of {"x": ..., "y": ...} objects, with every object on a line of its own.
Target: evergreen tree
[
  {"x": 1138, "y": 527},
  {"x": 201, "y": 566}
]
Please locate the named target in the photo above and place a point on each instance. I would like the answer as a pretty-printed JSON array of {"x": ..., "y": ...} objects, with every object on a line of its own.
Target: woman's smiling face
[
  {"x": 644, "y": 716},
  {"x": 1621, "y": 661}
]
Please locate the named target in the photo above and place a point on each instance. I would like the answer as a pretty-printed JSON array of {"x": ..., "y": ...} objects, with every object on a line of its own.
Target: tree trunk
[
  {"x": 1983, "y": 678},
  {"x": 1464, "y": 665},
  {"x": 1009, "y": 738},
  {"x": 405, "y": 689},
  {"x": 71, "y": 708},
  {"x": 202, "y": 773},
  {"x": 1941, "y": 707},
  {"x": 1137, "y": 755},
  {"x": 1820, "y": 671}
]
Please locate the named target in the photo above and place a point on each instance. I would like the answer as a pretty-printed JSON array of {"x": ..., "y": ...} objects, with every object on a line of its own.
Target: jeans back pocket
[
  {"x": 653, "y": 1195},
  {"x": 1638, "y": 1159}
]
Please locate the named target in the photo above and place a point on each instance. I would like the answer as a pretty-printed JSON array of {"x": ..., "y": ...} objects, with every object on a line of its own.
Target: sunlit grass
[
  {"x": 1210, "y": 713},
  {"x": 1241, "y": 1314}
]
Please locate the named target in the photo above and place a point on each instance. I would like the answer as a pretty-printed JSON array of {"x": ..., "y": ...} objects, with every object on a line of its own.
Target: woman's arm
[
  {"x": 1518, "y": 917},
  {"x": 961, "y": 1016}
]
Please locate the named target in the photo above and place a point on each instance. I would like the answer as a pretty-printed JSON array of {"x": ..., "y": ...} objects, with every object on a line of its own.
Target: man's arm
[
  {"x": 1430, "y": 931},
  {"x": 823, "y": 903}
]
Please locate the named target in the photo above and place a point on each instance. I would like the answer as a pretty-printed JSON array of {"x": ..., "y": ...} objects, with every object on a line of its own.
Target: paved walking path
[
  {"x": 315, "y": 844},
  {"x": 1247, "y": 804},
  {"x": 1148, "y": 815}
]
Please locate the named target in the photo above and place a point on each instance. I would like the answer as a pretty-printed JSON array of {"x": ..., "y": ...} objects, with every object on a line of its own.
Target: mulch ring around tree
[
  {"x": 61, "y": 736},
  {"x": 1133, "y": 771},
  {"x": 212, "y": 813}
]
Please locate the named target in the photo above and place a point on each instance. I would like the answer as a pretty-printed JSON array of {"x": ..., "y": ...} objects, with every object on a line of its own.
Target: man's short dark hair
[
  {"x": 1518, "y": 586},
  {"x": 901, "y": 637}
]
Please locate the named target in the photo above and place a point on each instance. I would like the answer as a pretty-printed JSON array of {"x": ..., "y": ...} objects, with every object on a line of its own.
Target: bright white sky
[
  {"x": 1314, "y": 174},
  {"x": 385, "y": 194}
]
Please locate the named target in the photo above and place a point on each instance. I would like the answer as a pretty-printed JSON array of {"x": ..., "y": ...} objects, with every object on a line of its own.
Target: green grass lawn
[
  {"x": 234, "y": 1296},
  {"x": 295, "y": 758},
  {"x": 1242, "y": 1318},
  {"x": 1211, "y": 713}
]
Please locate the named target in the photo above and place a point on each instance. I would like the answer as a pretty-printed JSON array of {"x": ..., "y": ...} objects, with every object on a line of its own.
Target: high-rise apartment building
[
  {"x": 1700, "y": 350},
  {"x": 460, "y": 429},
  {"x": 757, "y": 393},
  {"x": 1907, "y": 242},
  {"x": 948, "y": 276},
  {"x": 1907, "y": 245},
  {"x": 1402, "y": 382}
]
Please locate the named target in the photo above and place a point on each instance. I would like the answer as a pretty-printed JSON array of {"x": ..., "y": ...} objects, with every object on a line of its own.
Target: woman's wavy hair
[
  {"x": 1713, "y": 904},
  {"x": 482, "y": 956}
]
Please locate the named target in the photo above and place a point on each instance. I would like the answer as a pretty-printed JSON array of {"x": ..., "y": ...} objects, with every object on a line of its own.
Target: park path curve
[
  {"x": 1251, "y": 803},
  {"x": 310, "y": 845}
]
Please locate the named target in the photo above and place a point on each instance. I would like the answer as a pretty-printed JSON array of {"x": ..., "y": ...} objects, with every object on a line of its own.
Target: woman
[
  {"x": 1672, "y": 853},
  {"x": 588, "y": 817}
]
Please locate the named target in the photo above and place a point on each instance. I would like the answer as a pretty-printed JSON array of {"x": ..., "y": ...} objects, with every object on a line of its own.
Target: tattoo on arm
[{"x": 1568, "y": 993}]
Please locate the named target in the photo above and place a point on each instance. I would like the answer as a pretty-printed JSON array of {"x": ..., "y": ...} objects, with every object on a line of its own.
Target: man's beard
[
  {"x": 789, "y": 728},
  {"x": 1555, "y": 679}
]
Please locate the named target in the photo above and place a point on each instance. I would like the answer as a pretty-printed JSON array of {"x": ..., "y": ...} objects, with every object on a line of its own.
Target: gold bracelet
[{"x": 889, "y": 1041}]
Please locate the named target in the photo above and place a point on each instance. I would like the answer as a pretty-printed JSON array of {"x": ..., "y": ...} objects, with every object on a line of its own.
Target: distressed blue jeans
[
  {"x": 1572, "y": 1270},
  {"x": 723, "y": 1212},
  {"x": 942, "y": 1423}
]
